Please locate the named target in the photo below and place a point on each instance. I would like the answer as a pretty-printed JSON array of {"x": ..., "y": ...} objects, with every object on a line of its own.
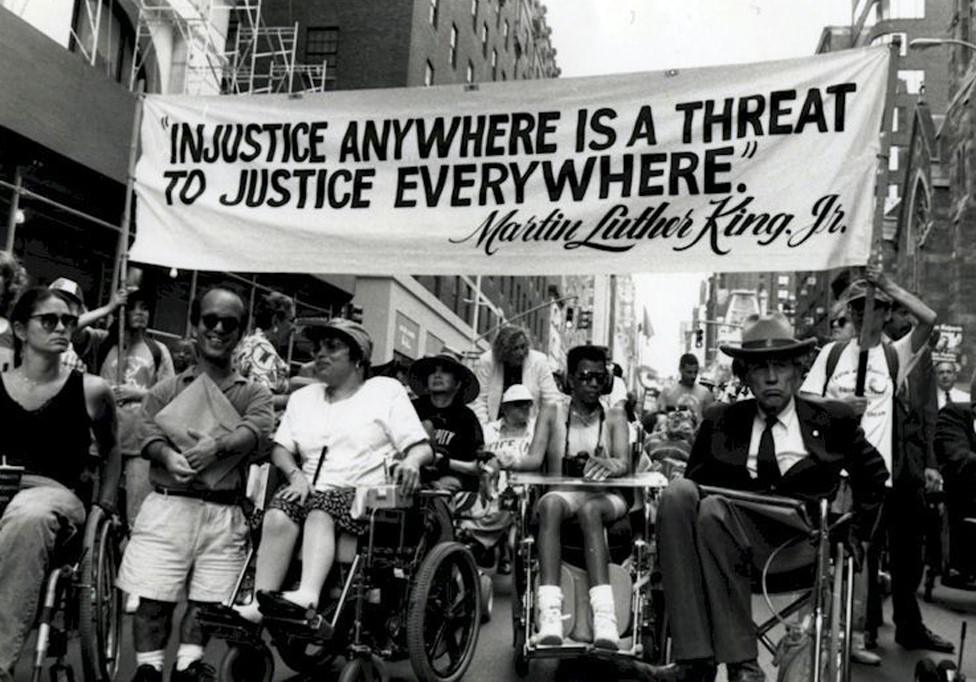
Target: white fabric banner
[{"x": 751, "y": 167}]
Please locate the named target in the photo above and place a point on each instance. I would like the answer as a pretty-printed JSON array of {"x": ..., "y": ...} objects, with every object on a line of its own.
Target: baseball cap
[
  {"x": 516, "y": 393},
  {"x": 859, "y": 290},
  {"x": 70, "y": 288}
]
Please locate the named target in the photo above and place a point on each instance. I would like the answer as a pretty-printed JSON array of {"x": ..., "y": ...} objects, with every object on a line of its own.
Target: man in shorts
[
  {"x": 190, "y": 538},
  {"x": 578, "y": 438}
]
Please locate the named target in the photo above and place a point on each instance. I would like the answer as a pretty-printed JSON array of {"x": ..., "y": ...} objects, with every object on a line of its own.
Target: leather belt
[{"x": 214, "y": 496}]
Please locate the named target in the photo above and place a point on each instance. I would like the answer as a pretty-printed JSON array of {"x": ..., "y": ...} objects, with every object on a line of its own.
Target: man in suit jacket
[
  {"x": 955, "y": 448},
  {"x": 776, "y": 443}
]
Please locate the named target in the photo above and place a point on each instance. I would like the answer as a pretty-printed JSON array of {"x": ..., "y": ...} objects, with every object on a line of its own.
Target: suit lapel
[{"x": 738, "y": 432}]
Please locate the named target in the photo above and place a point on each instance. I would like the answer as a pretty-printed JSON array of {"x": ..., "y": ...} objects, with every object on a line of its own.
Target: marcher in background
[
  {"x": 256, "y": 357},
  {"x": 13, "y": 280},
  {"x": 578, "y": 438},
  {"x": 946, "y": 374},
  {"x": 710, "y": 547},
  {"x": 955, "y": 448},
  {"x": 444, "y": 388},
  {"x": 189, "y": 540},
  {"x": 687, "y": 386},
  {"x": 49, "y": 415},
  {"x": 80, "y": 356},
  {"x": 896, "y": 430},
  {"x": 511, "y": 361},
  {"x": 184, "y": 355},
  {"x": 617, "y": 397},
  {"x": 841, "y": 326}
]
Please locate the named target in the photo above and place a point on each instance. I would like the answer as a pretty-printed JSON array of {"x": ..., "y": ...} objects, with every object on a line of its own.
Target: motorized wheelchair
[
  {"x": 824, "y": 589},
  {"x": 78, "y": 597},
  {"x": 405, "y": 589}
]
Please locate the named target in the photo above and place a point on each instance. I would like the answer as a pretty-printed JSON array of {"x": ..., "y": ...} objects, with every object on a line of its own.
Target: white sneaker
[
  {"x": 131, "y": 603},
  {"x": 605, "y": 633},
  {"x": 550, "y": 601},
  {"x": 861, "y": 655}
]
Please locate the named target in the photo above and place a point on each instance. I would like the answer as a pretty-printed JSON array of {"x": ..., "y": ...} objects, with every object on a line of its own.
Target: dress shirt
[{"x": 787, "y": 438}]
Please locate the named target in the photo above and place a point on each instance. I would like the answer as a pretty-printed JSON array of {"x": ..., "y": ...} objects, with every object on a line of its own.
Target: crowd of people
[{"x": 872, "y": 420}]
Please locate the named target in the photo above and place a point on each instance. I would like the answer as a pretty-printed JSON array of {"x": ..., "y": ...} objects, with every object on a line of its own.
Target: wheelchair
[
  {"x": 78, "y": 596},
  {"x": 404, "y": 590},
  {"x": 633, "y": 577}
]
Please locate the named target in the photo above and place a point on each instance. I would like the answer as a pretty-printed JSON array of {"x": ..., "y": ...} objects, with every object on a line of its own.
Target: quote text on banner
[{"x": 751, "y": 167}]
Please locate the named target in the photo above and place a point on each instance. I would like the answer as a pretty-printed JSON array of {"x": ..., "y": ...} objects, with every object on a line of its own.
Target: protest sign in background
[
  {"x": 949, "y": 345},
  {"x": 736, "y": 168}
]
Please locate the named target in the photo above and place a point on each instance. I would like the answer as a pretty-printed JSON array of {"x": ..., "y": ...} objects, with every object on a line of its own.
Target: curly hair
[
  {"x": 505, "y": 341},
  {"x": 15, "y": 280}
]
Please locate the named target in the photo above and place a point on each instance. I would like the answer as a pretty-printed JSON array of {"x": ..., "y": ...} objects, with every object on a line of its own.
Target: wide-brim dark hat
[
  {"x": 421, "y": 369},
  {"x": 768, "y": 335},
  {"x": 352, "y": 333}
]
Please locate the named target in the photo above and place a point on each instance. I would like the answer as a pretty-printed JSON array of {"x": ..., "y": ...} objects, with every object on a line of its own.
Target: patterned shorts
[{"x": 335, "y": 502}]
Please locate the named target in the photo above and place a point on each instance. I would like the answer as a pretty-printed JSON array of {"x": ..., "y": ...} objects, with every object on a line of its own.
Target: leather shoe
[
  {"x": 923, "y": 638},
  {"x": 870, "y": 639},
  {"x": 690, "y": 671},
  {"x": 746, "y": 671}
]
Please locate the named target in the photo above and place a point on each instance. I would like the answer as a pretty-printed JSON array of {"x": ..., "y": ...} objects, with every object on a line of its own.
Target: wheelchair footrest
[{"x": 225, "y": 623}]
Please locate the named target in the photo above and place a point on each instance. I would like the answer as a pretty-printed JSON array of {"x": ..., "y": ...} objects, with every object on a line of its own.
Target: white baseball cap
[{"x": 516, "y": 393}]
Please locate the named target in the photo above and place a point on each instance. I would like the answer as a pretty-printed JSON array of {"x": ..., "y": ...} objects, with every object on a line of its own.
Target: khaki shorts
[
  {"x": 575, "y": 499},
  {"x": 183, "y": 548}
]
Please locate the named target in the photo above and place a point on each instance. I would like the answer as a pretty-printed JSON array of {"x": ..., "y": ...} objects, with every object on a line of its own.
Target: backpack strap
[
  {"x": 891, "y": 357},
  {"x": 833, "y": 356}
]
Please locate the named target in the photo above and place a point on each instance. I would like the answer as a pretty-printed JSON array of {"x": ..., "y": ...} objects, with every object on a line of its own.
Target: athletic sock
[
  {"x": 187, "y": 654},
  {"x": 153, "y": 658}
]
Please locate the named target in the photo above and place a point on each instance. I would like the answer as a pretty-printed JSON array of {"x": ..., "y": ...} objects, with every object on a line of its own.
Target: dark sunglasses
[
  {"x": 229, "y": 324},
  {"x": 50, "y": 320},
  {"x": 599, "y": 377},
  {"x": 839, "y": 322}
]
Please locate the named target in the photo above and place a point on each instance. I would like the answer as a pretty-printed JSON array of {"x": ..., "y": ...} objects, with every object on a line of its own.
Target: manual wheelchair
[
  {"x": 405, "y": 589},
  {"x": 78, "y": 595}
]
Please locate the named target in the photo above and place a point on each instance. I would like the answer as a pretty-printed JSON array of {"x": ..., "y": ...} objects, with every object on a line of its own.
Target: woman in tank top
[{"x": 48, "y": 415}]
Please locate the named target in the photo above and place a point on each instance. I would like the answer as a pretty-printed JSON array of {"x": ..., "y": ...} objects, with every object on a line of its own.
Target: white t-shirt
[
  {"x": 363, "y": 433},
  {"x": 877, "y": 419},
  {"x": 508, "y": 448}
]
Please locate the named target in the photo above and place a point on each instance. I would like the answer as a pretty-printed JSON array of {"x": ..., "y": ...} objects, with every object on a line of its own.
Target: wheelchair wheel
[
  {"x": 244, "y": 663},
  {"x": 364, "y": 670},
  {"x": 302, "y": 656},
  {"x": 444, "y": 613},
  {"x": 487, "y": 597},
  {"x": 925, "y": 671},
  {"x": 100, "y": 603}
]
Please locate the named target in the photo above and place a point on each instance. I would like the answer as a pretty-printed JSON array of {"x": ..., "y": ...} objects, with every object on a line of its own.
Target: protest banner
[
  {"x": 948, "y": 347},
  {"x": 734, "y": 168}
]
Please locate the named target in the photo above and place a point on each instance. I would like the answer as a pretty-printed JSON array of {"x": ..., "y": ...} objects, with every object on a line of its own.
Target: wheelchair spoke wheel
[
  {"x": 444, "y": 614},
  {"x": 244, "y": 663},
  {"x": 100, "y": 603},
  {"x": 364, "y": 670},
  {"x": 303, "y": 656}
]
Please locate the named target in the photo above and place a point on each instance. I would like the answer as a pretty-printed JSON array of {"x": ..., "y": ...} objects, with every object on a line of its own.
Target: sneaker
[
  {"x": 746, "y": 671},
  {"x": 859, "y": 652},
  {"x": 147, "y": 673},
  {"x": 605, "y": 633},
  {"x": 198, "y": 671},
  {"x": 550, "y": 616}
]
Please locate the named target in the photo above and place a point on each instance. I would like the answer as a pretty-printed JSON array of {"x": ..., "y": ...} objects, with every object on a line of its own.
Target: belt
[{"x": 214, "y": 496}]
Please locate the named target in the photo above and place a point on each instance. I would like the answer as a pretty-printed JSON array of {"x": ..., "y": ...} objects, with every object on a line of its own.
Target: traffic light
[
  {"x": 699, "y": 337},
  {"x": 585, "y": 320},
  {"x": 569, "y": 315}
]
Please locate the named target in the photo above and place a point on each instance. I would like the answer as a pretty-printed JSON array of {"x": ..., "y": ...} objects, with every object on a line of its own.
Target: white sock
[
  {"x": 187, "y": 654},
  {"x": 153, "y": 658},
  {"x": 550, "y": 592},
  {"x": 250, "y": 612},
  {"x": 601, "y": 594},
  {"x": 301, "y": 598}
]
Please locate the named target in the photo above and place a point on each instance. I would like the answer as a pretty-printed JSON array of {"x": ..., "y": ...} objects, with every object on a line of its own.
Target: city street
[{"x": 493, "y": 659}]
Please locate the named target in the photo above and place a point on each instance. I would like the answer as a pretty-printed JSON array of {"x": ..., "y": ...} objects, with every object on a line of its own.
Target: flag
[{"x": 647, "y": 329}]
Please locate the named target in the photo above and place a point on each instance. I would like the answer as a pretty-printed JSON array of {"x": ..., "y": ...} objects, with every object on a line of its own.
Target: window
[
  {"x": 469, "y": 74},
  {"x": 498, "y": 14},
  {"x": 432, "y": 14},
  {"x": 902, "y": 9},
  {"x": 896, "y": 115},
  {"x": 783, "y": 280},
  {"x": 429, "y": 74},
  {"x": 782, "y": 294},
  {"x": 114, "y": 44},
  {"x": 504, "y": 77},
  {"x": 505, "y": 33},
  {"x": 494, "y": 65},
  {"x": 887, "y": 38},
  {"x": 474, "y": 15},
  {"x": 322, "y": 47},
  {"x": 892, "y": 197},
  {"x": 893, "y": 154},
  {"x": 911, "y": 80},
  {"x": 452, "y": 55},
  {"x": 484, "y": 39}
]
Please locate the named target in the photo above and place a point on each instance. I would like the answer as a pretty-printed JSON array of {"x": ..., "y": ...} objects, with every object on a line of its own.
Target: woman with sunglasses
[
  {"x": 48, "y": 415},
  {"x": 334, "y": 437}
]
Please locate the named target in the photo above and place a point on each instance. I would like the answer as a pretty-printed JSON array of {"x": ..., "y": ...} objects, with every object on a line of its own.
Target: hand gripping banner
[{"x": 732, "y": 168}]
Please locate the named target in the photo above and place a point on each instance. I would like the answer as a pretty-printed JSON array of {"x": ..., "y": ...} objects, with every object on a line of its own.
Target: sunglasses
[
  {"x": 330, "y": 343},
  {"x": 839, "y": 322},
  {"x": 228, "y": 324},
  {"x": 49, "y": 321},
  {"x": 598, "y": 377}
]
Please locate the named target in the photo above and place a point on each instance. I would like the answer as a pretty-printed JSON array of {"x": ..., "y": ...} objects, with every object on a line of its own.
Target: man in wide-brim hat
[
  {"x": 444, "y": 387},
  {"x": 775, "y": 442}
]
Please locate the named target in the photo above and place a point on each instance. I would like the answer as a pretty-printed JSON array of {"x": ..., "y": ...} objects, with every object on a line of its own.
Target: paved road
[{"x": 493, "y": 660}]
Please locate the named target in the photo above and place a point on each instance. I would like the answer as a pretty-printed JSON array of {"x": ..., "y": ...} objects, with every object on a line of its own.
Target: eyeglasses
[
  {"x": 49, "y": 321},
  {"x": 229, "y": 324},
  {"x": 599, "y": 377},
  {"x": 330, "y": 343},
  {"x": 838, "y": 322}
]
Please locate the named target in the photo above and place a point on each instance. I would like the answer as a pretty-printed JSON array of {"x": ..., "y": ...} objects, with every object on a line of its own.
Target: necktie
[
  {"x": 766, "y": 466},
  {"x": 948, "y": 399}
]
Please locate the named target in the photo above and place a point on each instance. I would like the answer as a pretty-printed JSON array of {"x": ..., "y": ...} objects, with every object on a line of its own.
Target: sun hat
[
  {"x": 516, "y": 393},
  {"x": 352, "y": 333},
  {"x": 469, "y": 388},
  {"x": 765, "y": 335}
]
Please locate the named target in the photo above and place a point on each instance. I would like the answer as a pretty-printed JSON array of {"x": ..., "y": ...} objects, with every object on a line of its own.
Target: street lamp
[{"x": 925, "y": 43}]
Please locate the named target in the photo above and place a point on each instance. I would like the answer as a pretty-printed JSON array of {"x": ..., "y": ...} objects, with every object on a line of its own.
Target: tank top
[{"x": 52, "y": 440}]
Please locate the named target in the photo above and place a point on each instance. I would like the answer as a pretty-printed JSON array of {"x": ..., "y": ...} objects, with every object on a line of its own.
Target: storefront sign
[
  {"x": 406, "y": 336},
  {"x": 730, "y": 168}
]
